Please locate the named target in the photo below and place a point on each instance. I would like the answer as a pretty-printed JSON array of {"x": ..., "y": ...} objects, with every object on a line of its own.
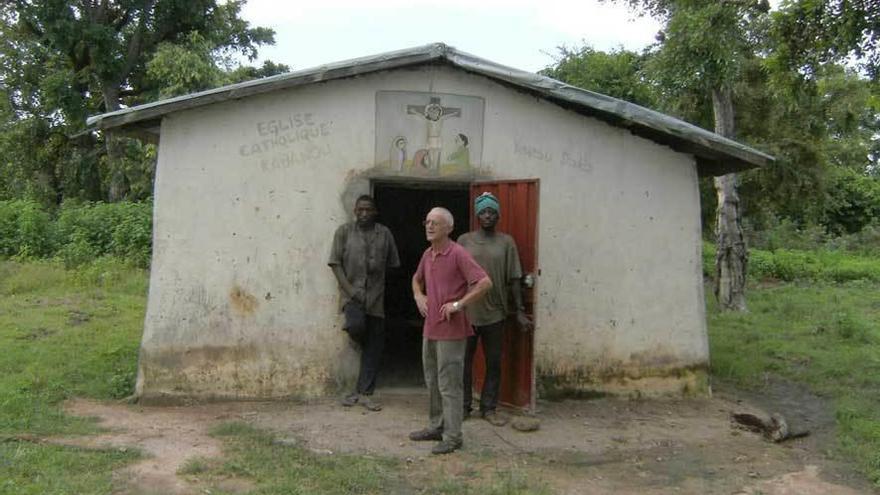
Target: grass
[
  {"x": 63, "y": 334},
  {"x": 28, "y": 468},
  {"x": 75, "y": 333},
  {"x": 826, "y": 336},
  {"x": 67, "y": 333},
  {"x": 276, "y": 467}
]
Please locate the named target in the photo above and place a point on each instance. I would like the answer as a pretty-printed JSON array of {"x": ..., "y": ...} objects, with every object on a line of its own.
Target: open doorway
[{"x": 402, "y": 208}]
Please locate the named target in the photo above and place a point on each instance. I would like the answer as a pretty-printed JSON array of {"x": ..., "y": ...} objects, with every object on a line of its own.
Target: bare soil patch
[{"x": 597, "y": 446}]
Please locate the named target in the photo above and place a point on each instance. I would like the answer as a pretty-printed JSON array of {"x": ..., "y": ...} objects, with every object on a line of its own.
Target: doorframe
[
  {"x": 431, "y": 183},
  {"x": 533, "y": 394},
  {"x": 418, "y": 183}
]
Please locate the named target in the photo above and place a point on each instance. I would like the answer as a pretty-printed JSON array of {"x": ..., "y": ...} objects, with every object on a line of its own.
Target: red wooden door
[{"x": 519, "y": 217}]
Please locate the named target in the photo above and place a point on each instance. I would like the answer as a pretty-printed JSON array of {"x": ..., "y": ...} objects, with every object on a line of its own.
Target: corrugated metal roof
[{"x": 715, "y": 154}]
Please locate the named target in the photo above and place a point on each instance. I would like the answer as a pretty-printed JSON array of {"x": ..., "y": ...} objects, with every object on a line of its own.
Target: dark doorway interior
[{"x": 402, "y": 208}]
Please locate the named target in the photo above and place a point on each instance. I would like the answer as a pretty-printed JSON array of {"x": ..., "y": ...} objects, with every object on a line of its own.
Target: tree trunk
[
  {"x": 118, "y": 184},
  {"x": 731, "y": 257}
]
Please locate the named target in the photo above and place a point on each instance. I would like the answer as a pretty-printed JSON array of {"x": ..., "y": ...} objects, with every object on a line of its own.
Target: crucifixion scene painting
[{"x": 428, "y": 133}]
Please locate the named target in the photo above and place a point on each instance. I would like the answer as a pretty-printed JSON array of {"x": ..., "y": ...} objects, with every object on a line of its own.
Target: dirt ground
[{"x": 582, "y": 447}]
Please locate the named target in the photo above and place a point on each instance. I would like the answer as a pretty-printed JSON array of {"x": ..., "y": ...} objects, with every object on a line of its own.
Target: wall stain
[
  {"x": 649, "y": 376},
  {"x": 215, "y": 373},
  {"x": 242, "y": 302}
]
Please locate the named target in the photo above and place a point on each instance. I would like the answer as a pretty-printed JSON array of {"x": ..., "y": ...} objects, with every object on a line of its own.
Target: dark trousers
[
  {"x": 492, "y": 336},
  {"x": 372, "y": 346}
]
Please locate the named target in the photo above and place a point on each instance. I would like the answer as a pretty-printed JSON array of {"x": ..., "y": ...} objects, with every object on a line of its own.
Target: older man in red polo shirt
[{"x": 446, "y": 281}]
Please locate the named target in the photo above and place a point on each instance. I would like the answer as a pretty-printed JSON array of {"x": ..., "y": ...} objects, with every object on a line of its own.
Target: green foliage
[
  {"x": 179, "y": 69},
  {"x": 785, "y": 234},
  {"x": 814, "y": 335},
  {"x": 247, "y": 72},
  {"x": 822, "y": 133},
  {"x": 618, "y": 73},
  {"x": 865, "y": 241},
  {"x": 90, "y": 230},
  {"x": 25, "y": 230},
  {"x": 795, "y": 265},
  {"x": 814, "y": 118},
  {"x": 63, "y": 61},
  {"x": 704, "y": 44},
  {"x": 81, "y": 233},
  {"x": 812, "y": 33},
  {"x": 853, "y": 201}
]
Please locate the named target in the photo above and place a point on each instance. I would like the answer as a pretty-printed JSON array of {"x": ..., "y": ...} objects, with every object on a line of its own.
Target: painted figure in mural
[
  {"x": 434, "y": 114},
  {"x": 461, "y": 156},
  {"x": 361, "y": 253},
  {"x": 398, "y": 153},
  {"x": 497, "y": 254},
  {"x": 445, "y": 283}
]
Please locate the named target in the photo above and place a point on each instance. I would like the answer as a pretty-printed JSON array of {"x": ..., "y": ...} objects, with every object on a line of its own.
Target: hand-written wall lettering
[
  {"x": 282, "y": 136},
  {"x": 275, "y": 127},
  {"x": 294, "y": 158},
  {"x": 532, "y": 151},
  {"x": 578, "y": 161}
]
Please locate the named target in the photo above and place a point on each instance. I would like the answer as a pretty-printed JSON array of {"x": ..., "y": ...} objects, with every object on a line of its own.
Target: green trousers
[{"x": 443, "y": 362}]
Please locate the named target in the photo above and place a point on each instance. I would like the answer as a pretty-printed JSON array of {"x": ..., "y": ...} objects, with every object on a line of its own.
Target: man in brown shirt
[
  {"x": 362, "y": 251},
  {"x": 497, "y": 254}
]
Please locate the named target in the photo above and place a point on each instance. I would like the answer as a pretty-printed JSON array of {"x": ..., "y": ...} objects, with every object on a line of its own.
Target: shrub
[
  {"x": 79, "y": 233},
  {"x": 865, "y": 241},
  {"x": 791, "y": 265},
  {"x": 8, "y": 228},
  {"x": 91, "y": 230},
  {"x": 133, "y": 235},
  {"x": 26, "y": 230},
  {"x": 785, "y": 234},
  {"x": 90, "y": 223}
]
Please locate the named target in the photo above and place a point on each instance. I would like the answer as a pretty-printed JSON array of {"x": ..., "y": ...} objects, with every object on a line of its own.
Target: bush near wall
[
  {"x": 77, "y": 233},
  {"x": 785, "y": 234},
  {"x": 792, "y": 264},
  {"x": 25, "y": 229}
]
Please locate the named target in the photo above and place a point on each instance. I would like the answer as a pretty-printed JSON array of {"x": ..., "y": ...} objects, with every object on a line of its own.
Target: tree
[
  {"x": 62, "y": 61},
  {"x": 812, "y": 33},
  {"x": 702, "y": 49},
  {"x": 816, "y": 122},
  {"x": 618, "y": 73},
  {"x": 821, "y": 111}
]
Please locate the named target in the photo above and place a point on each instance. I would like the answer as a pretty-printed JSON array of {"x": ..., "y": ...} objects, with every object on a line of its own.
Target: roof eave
[
  {"x": 715, "y": 155},
  {"x": 350, "y": 68}
]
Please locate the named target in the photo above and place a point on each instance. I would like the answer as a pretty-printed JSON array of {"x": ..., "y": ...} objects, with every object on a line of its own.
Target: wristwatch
[{"x": 456, "y": 305}]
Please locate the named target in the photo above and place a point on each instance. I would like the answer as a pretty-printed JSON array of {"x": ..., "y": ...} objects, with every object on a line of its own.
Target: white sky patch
[{"x": 520, "y": 33}]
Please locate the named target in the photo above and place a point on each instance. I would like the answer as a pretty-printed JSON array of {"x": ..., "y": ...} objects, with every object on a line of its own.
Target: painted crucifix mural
[
  {"x": 428, "y": 133},
  {"x": 434, "y": 114}
]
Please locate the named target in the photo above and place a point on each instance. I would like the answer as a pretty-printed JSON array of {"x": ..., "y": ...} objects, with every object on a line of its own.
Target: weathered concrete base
[
  {"x": 214, "y": 373},
  {"x": 692, "y": 381}
]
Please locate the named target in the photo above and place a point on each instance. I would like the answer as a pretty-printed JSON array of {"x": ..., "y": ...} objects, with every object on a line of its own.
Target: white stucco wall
[{"x": 242, "y": 303}]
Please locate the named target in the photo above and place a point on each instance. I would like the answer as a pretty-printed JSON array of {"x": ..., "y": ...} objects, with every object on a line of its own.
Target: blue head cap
[{"x": 486, "y": 200}]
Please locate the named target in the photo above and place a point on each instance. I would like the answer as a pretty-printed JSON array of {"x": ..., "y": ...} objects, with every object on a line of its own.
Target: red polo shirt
[{"x": 446, "y": 276}]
